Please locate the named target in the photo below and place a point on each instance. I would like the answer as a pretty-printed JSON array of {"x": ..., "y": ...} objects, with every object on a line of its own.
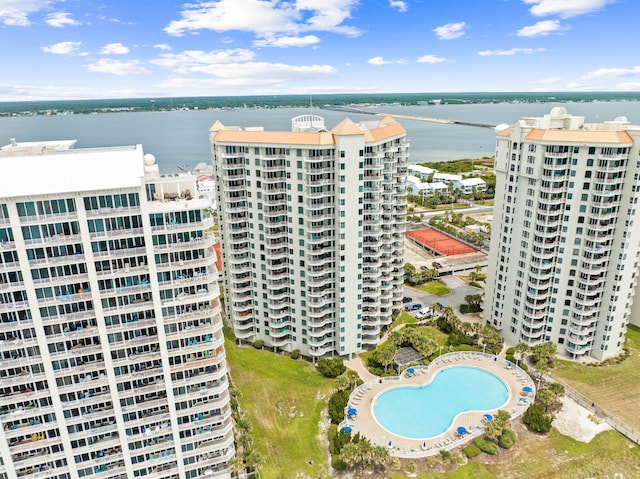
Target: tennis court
[{"x": 439, "y": 243}]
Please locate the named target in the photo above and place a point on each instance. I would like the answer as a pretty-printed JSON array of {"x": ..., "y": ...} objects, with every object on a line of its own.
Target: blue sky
[{"x": 77, "y": 49}]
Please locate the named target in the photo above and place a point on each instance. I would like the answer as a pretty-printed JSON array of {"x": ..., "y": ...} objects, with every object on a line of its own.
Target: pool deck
[{"x": 364, "y": 396}]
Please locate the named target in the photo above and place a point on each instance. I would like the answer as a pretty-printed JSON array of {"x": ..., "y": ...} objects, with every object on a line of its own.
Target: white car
[{"x": 424, "y": 313}]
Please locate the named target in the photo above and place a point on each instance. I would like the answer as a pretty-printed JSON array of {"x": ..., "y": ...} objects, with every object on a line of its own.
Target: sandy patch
[{"x": 578, "y": 422}]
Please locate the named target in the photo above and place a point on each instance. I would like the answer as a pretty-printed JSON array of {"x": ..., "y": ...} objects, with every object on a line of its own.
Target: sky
[{"x": 86, "y": 49}]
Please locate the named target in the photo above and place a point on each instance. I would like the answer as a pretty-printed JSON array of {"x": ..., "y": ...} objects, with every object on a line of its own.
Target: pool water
[{"x": 427, "y": 411}]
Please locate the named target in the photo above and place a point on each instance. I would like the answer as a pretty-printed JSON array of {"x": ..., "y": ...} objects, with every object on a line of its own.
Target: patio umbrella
[
  {"x": 347, "y": 429},
  {"x": 462, "y": 430},
  {"x": 411, "y": 370},
  {"x": 487, "y": 417},
  {"x": 390, "y": 444},
  {"x": 352, "y": 411},
  {"x": 424, "y": 446},
  {"x": 527, "y": 389}
]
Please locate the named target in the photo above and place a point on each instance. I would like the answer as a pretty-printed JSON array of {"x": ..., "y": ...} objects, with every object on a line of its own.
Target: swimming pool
[{"x": 427, "y": 411}]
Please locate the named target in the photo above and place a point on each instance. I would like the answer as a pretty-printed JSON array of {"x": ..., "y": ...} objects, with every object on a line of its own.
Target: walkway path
[{"x": 357, "y": 366}]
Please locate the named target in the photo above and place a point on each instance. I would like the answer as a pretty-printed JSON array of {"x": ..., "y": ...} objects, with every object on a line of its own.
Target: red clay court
[{"x": 439, "y": 243}]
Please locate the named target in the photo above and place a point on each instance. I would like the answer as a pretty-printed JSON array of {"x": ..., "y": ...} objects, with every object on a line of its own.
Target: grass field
[
  {"x": 284, "y": 400},
  {"x": 614, "y": 388},
  {"x": 554, "y": 456},
  {"x": 434, "y": 287}
]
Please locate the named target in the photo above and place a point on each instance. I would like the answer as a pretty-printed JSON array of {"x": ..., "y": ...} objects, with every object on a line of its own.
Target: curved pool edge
[
  {"x": 365, "y": 424},
  {"x": 456, "y": 419}
]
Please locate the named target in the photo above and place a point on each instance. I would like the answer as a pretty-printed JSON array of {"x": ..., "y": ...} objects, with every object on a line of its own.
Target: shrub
[
  {"x": 330, "y": 367},
  {"x": 471, "y": 451},
  {"x": 258, "y": 344},
  {"x": 338, "y": 464},
  {"x": 510, "y": 351},
  {"x": 507, "y": 439},
  {"x": 410, "y": 467},
  {"x": 337, "y": 439},
  {"x": 486, "y": 446},
  {"x": 510, "y": 358},
  {"x": 337, "y": 403},
  {"x": 524, "y": 367},
  {"x": 536, "y": 420},
  {"x": 295, "y": 354}
]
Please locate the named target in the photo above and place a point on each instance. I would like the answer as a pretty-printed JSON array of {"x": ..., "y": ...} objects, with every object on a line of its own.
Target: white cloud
[
  {"x": 116, "y": 67},
  {"x": 63, "y": 48},
  {"x": 193, "y": 60},
  {"x": 575, "y": 86},
  {"x": 541, "y": 29},
  {"x": 381, "y": 61},
  {"x": 450, "y": 30},
  {"x": 283, "y": 42},
  {"x": 114, "y": 49},
  {"x": 611, "y": 73},
  {"x": 550, "y": 80},
  {"x": 565, "y": 8},
  {"x": 265, "y": 17},
  {"x": 433, "y": 59},
  {"x": 60, "y": 19},
  {"x": 16, "y": 12},
  {"x": 162, "y": 46},
  {"x": 508, "y": 53},
  {"x": 250, "y": 74},
  {"x": 628, "y": 86},
  {"x": 399, "y": 4}
]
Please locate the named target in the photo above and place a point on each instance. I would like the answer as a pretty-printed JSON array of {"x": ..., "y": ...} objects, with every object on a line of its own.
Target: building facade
[
  {"x": 312, "y": 231},
  {"x": 112, "y": 360},
  {"x": 564, "y": 248}
]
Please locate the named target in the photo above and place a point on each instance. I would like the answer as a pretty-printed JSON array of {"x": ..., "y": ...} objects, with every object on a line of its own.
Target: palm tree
[
  {"x": 386, "y": 355},
  {"x": 342, "y": 382}
]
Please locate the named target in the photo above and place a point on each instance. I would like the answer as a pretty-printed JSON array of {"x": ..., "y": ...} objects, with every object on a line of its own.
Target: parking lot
[{"x": 459, "y": 289}]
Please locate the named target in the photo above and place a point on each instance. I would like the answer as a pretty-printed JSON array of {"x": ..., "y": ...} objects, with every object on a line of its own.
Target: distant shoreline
[{"x": 229, "y": 103}]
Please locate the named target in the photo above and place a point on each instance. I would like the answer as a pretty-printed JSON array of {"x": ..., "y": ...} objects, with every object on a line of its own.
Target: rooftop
[{"x": 49, "y": 167}]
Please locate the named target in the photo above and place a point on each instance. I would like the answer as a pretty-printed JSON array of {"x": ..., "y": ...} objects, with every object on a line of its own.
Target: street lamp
[{"x": 440, "y": 351}]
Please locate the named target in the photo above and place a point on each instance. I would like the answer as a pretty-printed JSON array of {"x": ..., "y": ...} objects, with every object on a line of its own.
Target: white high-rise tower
[
  {"x": 565, "y": 239},
  {"x": 112, "y": 361},
  {"x": 312, "y": 228}
]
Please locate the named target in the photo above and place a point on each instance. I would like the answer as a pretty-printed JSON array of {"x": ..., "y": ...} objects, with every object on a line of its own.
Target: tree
[
  {"x": 544, "y": 355},
  {"x": 396, "y": 337},
  {"x": 503, "y": 418},
  {"x": 473, "y": 299},
  {"x": 546, "y": 397},
  {"x": 536, "y": 420},
  {"x": 342, "y": 382},
  {"x": 492, "y": 430},
  {"x": 409, "y": 268},
  {"x": 330, "y": 367},
  {"x": 386, "y": 355}
]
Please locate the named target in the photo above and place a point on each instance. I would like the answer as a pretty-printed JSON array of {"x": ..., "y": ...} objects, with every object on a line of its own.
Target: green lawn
[
  {"x": 284, "y": 400},
  {"x": 554, "y": 456},
  {"x": 403, "y": 318},
  {"x": 434, "y": 287},
  {"x": 615, "y": 388}
]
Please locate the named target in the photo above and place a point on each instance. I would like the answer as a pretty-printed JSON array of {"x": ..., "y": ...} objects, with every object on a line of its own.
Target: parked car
[
  {"x": 424, "y": 313},
  {"x": 436, "y": 265},
  {"x": 413, "y": 307},
  {"x": 407, "y": 299},
  {"x": 423, "y": 267}
]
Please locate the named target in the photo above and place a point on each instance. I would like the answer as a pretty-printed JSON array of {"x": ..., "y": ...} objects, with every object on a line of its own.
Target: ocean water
[{"x": 181, "y": 138}]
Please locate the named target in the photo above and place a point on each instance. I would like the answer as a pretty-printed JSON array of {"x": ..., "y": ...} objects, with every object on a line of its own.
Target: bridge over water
[{"x": 347, "y": 109}]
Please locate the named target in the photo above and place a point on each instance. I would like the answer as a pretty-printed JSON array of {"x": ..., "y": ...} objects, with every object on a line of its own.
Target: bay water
[{"x": 180, "y": 139}]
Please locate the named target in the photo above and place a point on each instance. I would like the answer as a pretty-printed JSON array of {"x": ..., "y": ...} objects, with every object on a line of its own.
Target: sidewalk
[{"x": 357, "y": 366}]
